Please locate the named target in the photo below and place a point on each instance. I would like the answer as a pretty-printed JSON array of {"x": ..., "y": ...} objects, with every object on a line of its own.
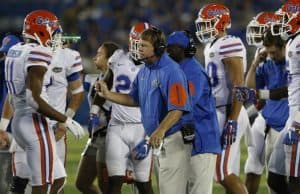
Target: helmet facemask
[
  {"x": 254, "y": 33},
  {"x": 134, "y": 48},
  {"x": 206, "y": 29},
  {"x": 56, "y": 39}
]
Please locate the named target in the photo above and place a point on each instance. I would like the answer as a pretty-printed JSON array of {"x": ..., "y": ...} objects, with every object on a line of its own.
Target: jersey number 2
[{"x": 123, "y": 83}]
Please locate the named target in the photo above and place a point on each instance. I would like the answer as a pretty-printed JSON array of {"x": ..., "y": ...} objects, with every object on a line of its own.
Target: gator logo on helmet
[
  {"x": 290, "y": 8},
  {"x": 216, "y": 12},
  {"x": 44, "y": 21}
]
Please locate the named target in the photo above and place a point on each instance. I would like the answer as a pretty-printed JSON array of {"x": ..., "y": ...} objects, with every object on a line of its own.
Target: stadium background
[{"x": 110, "y": 20}]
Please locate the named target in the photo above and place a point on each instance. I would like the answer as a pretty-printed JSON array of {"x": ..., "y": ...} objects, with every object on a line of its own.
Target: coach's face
[
  {"x": 276, "y": 53},
  {"x": 146, "y": 51}
]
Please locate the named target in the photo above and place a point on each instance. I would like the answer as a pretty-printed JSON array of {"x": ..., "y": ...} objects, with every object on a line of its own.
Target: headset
[
  {"x": 191, "y": 49},
  {"x": 159, "y": 44}
]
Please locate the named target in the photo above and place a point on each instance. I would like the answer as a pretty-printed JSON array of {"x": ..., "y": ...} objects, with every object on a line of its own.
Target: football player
[
  {"x": 93, "y": 156},
  {"x": 225, "y": 62},
  {"x": 27, "y": 87},
  {"x": 287, "y": 145}
]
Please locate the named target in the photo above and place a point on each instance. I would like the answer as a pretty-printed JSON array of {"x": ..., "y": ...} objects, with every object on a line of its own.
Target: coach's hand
[
  {"x": 156, "y": 138},
  {"x": 229, "y": 133},
  {"x": 74, "y": 127}
]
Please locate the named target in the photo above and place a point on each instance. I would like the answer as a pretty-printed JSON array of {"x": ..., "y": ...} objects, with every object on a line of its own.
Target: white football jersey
[
  {"x": 124, "y": 72},
  {"x": 293, "y": 61},
  {"x": 19, "y": 58},
  {"x": 214, "y": 53},
  {"x": 64, "y": 63}
]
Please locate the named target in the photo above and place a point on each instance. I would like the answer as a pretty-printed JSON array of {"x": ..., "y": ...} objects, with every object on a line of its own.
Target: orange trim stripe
[
  {"x": 42, "y": 147},
  {"x": 293, "y": 160},
  {"x": 218, "y": 167},
  {"x": 191, "y": 88},
  {"x": 76, "y": 64},
  {"x": 40, "y": 53},
  {"x": 45, "y": 125}
]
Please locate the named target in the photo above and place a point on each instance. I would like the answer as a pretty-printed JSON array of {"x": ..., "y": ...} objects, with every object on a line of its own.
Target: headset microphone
[{"x": 146, "y": 58}]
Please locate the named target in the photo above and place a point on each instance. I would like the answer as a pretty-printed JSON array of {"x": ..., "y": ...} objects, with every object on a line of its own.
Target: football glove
[
  {"x": 94, "y": 121},
  {"x": 245, "y": 94},
  {"x": 141, "y": 150},
  {"x": 229, "y": 133},
  {"x": 74, "y": 127},
  {"x": 291, "y": 137}
]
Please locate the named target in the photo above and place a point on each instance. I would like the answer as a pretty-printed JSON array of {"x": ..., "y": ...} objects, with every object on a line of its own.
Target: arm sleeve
[
  {"x": 75, "y": 64},
  {"x": 259, "y": 77},
  {"x": 38, "y": 57}
]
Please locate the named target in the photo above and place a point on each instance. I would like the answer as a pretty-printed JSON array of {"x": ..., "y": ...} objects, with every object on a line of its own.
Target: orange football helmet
[
  {"x": 134, "y": 38},
  {"x": 212, "y": 19},
  {"x": 41, "y": 25},
  {"x": 289, "y": 19},
  {"x": 258, "y": 25}
]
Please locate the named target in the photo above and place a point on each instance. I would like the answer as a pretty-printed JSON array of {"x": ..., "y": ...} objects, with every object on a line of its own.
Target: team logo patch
[
  {"x": 290, "y": 54},
  {"x": 211, "y": 55},
  {"x": 57, "y": 69},
  {"x": 155, "y": 83}
]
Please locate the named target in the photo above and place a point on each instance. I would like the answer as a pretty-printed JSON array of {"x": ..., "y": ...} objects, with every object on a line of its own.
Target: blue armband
[{"x": 73, "y": 77}]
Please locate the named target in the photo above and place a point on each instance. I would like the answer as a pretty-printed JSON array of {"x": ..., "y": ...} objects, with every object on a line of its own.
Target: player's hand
[
  {"x": 101, "y": 88},
  {"x": 59, "y": 131},
  {"x": 156, "y": 138},
  {"x": 141, "y": 150},
  {"x": 129, "y": 177},
  {"x": 94, "y": 121},
  {"x": 229, "y": 133},
  {"x": 74, "y": 127},
  {"x": 291, "y": 137},
  {"x": 4, "y": 140},
  {"x": 245, "y": 94}
]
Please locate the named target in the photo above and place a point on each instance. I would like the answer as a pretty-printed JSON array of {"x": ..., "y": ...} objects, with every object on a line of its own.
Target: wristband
[
  {"x": 78, "y": 90},
  {"x": 4, "y": 123},
  {"x": 264, "y": 94},
  {"x": 70, "y": 113}
]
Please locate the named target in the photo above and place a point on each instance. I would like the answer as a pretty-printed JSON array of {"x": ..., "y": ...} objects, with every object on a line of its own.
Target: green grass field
[{"x": 75, "y": 148}]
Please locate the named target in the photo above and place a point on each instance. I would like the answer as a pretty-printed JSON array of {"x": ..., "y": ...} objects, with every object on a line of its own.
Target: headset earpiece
[{"x": 159, "y": 45}]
